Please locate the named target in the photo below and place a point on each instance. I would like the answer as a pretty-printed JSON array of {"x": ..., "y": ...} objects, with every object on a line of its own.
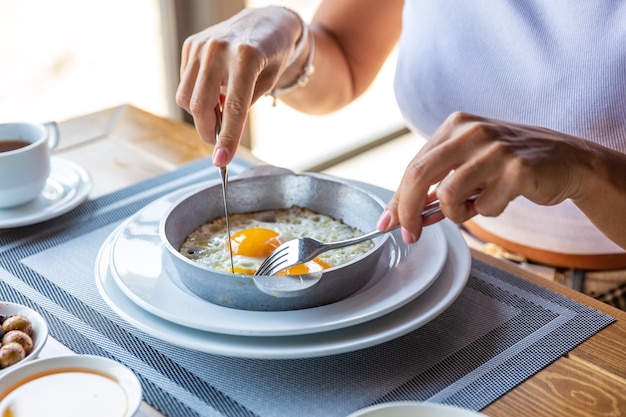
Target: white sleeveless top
[{"x": 559, "y": 64}]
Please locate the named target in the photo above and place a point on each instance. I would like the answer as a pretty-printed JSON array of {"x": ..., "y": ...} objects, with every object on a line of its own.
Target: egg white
[{"x": 207, "y": 244}]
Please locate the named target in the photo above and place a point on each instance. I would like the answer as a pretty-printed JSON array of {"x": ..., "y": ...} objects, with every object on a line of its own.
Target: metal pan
[{"x": 322, "y": 194}]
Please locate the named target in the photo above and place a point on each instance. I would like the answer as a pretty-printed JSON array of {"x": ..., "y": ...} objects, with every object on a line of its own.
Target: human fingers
[
  {"x": 235, "y": 107},
  {"x": 218, "y": 71},
  {"x": 429, "y": 216},
  {"x": 486, "y": 173},
  {"x": 506, "y": 160},
  {"x": 245, "y": 56},
  {"x": 188, "y": 73},
  {"x": 205, "y": 79},
  {"x": 435, "y": 160},
  {"x": 436, "y": 216},
  {"x": 433, "y": 166},
  {"x": 412, "y": 195}
]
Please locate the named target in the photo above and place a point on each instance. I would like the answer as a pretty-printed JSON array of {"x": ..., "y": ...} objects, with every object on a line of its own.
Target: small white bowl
[
  {"x": 414, "y": 409},
  {"x": 72, "y": 385},
  {"x": 40, "y": 329}
]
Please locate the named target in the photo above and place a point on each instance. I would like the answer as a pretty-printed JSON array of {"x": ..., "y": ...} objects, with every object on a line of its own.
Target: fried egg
[{"x": 255, "y": 235}]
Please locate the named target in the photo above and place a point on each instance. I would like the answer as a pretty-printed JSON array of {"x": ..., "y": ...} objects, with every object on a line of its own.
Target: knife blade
[{"x": 224, "y": 177}]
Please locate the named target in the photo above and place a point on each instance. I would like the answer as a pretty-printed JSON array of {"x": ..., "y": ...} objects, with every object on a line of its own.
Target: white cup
[{"x": 24, "y": 169}]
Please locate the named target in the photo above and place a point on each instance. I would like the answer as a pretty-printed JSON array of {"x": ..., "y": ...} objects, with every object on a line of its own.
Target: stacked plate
[{"x": 412, "y": 285}]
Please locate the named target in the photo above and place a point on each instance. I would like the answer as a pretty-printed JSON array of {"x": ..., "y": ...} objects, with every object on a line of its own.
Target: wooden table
[{"x": 123, "y": 145}]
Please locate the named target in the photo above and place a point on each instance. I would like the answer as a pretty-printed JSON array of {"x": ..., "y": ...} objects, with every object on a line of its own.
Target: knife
[{"x": 224, "y": 176}]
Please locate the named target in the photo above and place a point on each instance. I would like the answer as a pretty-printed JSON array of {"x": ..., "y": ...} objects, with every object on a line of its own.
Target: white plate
[
  {"x": 414, "y": 409},
  {"x": 140, "y": 265},
  {"x": 413, "y": 315},
  {"x": 68, "y": 185},
  {"x": 126, "y": 380}
]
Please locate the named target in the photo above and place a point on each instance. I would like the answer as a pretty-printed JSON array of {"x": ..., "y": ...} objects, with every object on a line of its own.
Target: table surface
[{"x": 123, "y": 145}]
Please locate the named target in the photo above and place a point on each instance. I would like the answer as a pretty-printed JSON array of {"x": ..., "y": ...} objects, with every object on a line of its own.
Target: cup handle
[{"x": 53, "y": 134}]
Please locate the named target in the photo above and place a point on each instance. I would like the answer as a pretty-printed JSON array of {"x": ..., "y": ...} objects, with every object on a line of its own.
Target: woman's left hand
[{"x": 501, "y": 160}]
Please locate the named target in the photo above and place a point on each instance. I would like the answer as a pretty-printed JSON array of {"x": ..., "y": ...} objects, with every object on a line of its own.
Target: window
[{"x": 63, "y": 58}]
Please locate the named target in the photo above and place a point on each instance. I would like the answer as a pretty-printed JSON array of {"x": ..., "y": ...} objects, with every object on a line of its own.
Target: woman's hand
[
  {"x": 504, "y": 160},
  {"x": 245, "y": 55}
]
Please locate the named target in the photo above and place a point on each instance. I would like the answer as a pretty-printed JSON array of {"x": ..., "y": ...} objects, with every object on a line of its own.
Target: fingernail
[
  {"x": 407, "y": 237},
  {"x": 220, "y": 156},
  {"x": 384, "y": 220}
]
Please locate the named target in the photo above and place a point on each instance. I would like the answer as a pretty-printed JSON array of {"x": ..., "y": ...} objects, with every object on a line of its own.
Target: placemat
[{"x": 500, "y": 331}]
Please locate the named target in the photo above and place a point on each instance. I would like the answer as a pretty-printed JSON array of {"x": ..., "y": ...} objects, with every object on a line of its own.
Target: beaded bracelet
[{"x": 308, "y": 69}]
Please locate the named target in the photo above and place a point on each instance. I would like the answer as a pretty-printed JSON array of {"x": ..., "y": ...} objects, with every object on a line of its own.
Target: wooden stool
[
  {"x": 587, "y": 262},
  {"x": 602, "y": 276}
]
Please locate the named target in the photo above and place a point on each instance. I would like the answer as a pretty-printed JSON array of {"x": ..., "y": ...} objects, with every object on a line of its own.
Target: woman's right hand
[{"x": 245, "y": 56}]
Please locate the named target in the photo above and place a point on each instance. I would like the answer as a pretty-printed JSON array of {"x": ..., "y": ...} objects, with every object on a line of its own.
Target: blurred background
[{"x": 64, "y": 58}]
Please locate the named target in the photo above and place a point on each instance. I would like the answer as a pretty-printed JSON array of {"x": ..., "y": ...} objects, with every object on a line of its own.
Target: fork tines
[{"x": 273, "y": 261}]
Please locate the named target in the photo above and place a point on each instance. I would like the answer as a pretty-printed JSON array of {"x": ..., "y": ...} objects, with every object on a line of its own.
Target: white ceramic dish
[
  {"x": 143, "y": 271},
  {"x": 414, "y": 409},
  {"x": 437, "y": 298},
  {"x": 68, "y": 185},
  {"x": 40, "y": 329},
  {"x": 119, "y": 381}
]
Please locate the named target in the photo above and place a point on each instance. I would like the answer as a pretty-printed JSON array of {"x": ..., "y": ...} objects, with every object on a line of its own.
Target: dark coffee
[{"x": 11, "y": 145}]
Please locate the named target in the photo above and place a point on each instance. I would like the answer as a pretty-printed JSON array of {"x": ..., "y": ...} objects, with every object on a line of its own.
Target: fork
[{"x": 304, "y": 249}]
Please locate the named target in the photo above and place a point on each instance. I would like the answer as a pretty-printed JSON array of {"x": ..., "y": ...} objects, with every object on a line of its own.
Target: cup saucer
[{"x": 68, "y": 185}]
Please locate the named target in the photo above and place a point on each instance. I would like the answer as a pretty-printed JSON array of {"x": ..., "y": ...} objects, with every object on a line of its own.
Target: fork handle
[
  {"x": 434, "y": 207},
  {"x": 430, "y": 209},
  {"x": 358, "y": 239}
]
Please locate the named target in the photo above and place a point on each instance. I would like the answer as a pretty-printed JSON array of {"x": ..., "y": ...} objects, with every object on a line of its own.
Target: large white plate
[
  {"x": 68, "y": 185},
  {"x": 140, "y": 265},
  {"x": 411, "y": 316}
]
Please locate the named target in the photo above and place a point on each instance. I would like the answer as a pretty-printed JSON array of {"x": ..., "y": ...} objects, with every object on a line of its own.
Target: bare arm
[
  {"x": 602, "y": 194},
  {"x": 352, "y": 41}
]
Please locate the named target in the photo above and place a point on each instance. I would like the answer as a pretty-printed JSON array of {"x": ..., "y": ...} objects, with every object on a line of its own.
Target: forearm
[
  {"x": 329, "y": 87},
  {"x": 602, "y": 195},
  {"x": 347, "y": 55}
]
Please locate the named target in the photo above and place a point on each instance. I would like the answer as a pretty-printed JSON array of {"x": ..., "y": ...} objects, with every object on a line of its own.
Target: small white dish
[
  {"x": 69, "y": 386},
  {"x": 68, "y": 185},
  {"x": 142, "y": 268},
  {"x": 414, "y": 409},
  {"x": 40, "y": 330}
]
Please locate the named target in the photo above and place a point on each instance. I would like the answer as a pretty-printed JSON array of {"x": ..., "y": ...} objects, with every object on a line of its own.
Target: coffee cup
[{"x": 25, "y": 160}]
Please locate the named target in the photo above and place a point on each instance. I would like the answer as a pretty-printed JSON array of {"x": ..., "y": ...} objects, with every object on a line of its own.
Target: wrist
[{"x": 299, "y": 66}]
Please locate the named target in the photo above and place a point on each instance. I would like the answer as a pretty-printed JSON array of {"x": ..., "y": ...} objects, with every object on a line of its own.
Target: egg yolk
[
  {"x": 254, "y": 243},
  {"x": 244, "y": 271},
  {"x": 258, "y": 243},
  {"x": 301, "y": 269}
]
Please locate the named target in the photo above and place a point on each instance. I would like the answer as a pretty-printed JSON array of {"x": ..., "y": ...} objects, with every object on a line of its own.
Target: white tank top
[{"x": 559, "y": 64}]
